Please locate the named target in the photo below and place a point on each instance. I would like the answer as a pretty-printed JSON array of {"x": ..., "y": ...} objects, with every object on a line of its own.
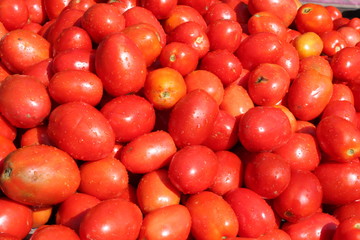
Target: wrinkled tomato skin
[
  {"x": 92, "y": 138},
  {"x": 120, "y": 65},
  {"x": 255, "y": 216},
  {"x": 192, "y": 118},
  {"x": 32, "y": 104},
  {"x": 26, "y": 179},
  {"x": 338, "y": 182},
  {"x": 210, "y": 211}
]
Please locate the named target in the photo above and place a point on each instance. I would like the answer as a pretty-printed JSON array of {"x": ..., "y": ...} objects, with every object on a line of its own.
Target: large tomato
[
  {"x": 39, "y": 175},
  {"x": 13, "y": 14},
  {"x": 54, "y": 232}
]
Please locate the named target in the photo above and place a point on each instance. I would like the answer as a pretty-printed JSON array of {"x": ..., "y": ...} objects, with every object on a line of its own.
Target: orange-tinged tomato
[
  {"x": 236, "y": 100},
  {"x": 308, "y": 44},
  {"x": 41, "y": 215}
]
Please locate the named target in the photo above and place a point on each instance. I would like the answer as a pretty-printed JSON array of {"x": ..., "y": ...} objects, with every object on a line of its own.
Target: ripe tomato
[
  {"x": 275, "y": 234},
  {"x": 6, "y": 147},
  {"x": 264, "y": 128},
  {"x": 192, "y": 118},
  {"x": 219, "y": 10},
  {"x": 54, "y": 7},
  {"x": 31, "y": 105},
  {"x": 156, "y": 191},
  {"x": 193, "y": 169},
  {"x": 212, "y": 217},
  {"x": 111, "y": 219},
  {"x": 5, "y": 236},
  {"x": 313, "y": 17},
  {"x": 231, "y": 32},
  {"x": 130, "y": 116},
  {"x": 334, "y": 12},
  {"x": 6, "y": 129},
  {"x": 92, "y": 138},
  {"x": 308, "y": 44},
  {"x": 74, "y": 59},
  {"x": 254, "y": 214},
  {"x": 25, "y": 176},
  {"x": 120, "y": 65},
  {"x": 104, "y": 179},
  {"x": 20, "y": 49},
  {"x": 54, "y": 232},
  {"x": 35, "y": 136},
  {"x": 344, "y": 65},
  {"x": 333, "y": 42},
  {"x": 71, "y": 211},
  {"x": 13, "y": 14},
  {"x": 341, "y": 108},
  {"x": 351, "y": 35},
  {"x": 160, "y": 9},
  {"x": 348, "y": 229},
  {"x": 317, "y": 63},
  {"x": 346, "y": 211},
  {"x": 42, "y": 71},
  {"x": 236, "y": 100},
  {"x": 16, "y": 218},
  {"x": 81, "y": 4},
  {"x": 41, "y": 215},
  {"x": 36, "y": 11},
  {"x": 342, "y": 92}
]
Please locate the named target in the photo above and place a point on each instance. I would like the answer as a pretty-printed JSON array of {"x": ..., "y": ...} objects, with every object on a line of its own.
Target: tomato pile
[{"x": 178, "y": 119}]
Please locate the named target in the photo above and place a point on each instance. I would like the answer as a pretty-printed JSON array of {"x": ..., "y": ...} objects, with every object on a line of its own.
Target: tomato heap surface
[{"x": 178, "y": 119}]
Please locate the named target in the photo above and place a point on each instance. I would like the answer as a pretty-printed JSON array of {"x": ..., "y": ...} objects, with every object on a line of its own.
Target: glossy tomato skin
[
  {"x": 313, "y": 17},
  {"x": 337, "y": 181},
  {"x": 148, "y": 152},
  {"x": 231, "y": 31},
  {"x": 71, "y": 211},
  {"x": 54, "y": 7},
  {"x": 255, "y": 216},
  {"x": 341, "y": 108},
  {"x": 193, "y": 169},
  {"x": 32, "y": 104},
  {"x": 212, "y": 217},
  {"x": 6, "y": 147},
  {"x": 7, "y": 129},
  {"x": 54, "y": 231},
  {"x": 192, "y": 118},
  {"x": 160, "y": 9},
  {"x": 156, "y": 191},
  {"x": 13, "y": 14},
  {"x": 74, "y": 59},
  {"x": 344, "y": 64},
  {"x": 348, "y": 229},
  {"x": 350, "y": 210},
  {"x": 111, "y": 219},
  {"x": 120, "y": 65},
  {"x": 16, "y": 218},
  {"x": 264, "y": 128},
  {"x": 236, "y": 100},
  {"x": 130, "y": 116},
  {"x": 351, "y": 35},
  {"x": 42, "y": 71},
  {"x": 308, "y": 44},
  {"x": 35, "y": 136},
  {"x": 20, "y": 49},
  {"x": 93, "y": 137},
  {"x": 167, "y": 223},
  {"x": 25, "y": 176},
  {"x": 333, "y": 42},
  {"x": 219, "y": 10}
]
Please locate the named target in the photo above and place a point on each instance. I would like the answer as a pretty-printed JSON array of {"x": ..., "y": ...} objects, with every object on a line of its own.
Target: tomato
[
  {"x": 192, "y": 173},
  {"x": 229, "y": 174},
  {"x": 164, "y": 87},
  {"x": 313, "y": 17},
  {"x": 219, "y": 10},
  {"x": 308, "y": 44},
  {"x": 32, "y": 104},
  {"x": 261, "y": 47},
  {"x": 317, "y": 63},
  {"x": 179, "y": 56},
  {"x": 71, "y": 211},
  {"x": 25, "y": 176},
  {"x": 130, "y": 116},
  {"x": 5, "y": 236},
  {"x": 341, "y": 108},
  {"x": 309, "y": 94},
  {"x": 192, "y": 118},
  {"x": 6, "y": 147},
  {"x": 81, "y": 4},
  {"x": 111, "y": 219},
  {"x": 102, "y": 19},
  {"x": 206, "y": 80},
  {"x": 74, "y": 59},
  {"x": 267, "y": 174},
  {"x": 345, "y": 211},
  {"x": 109, "y": 172},
  {"x": 264, "y": 128},
  {"x": 333, "y": 41},
  {"x": 36, "y": 11},
  {"x": 212, "y": 217},
  {"x": 35, "y": 136},
  {"x": 6, "y": 129},
  {"x": 338, "y": 181},
  {"x": 200, "y": 6},
  {"x": 156, "y": 191},
  {"x": 275, "y": 234},
  {"x": 351, "y": 35},
  {"x": 16, "y": 218},
  {"x": 160, "y": 9},
  {"x": 334, "y": 12},
  {"x": 254, "y": 214},
  {"x": 54, "y": 231},
  {"x": 13, "y": 14},
  {"x": 317, "y": 226},
  {"x": 20, "y": 49},
  {"x": 120, "y": 65},
  {"x": 54, "y": 7},
  {"x": 236, "y": 101},
  {"x": 41, "y": 215},
  {"x": 338, "y": 138},
  {"x": 305, "y": 127},
  {"x": 344, "y": 63},
  {"x": 42, "y": 71},
  {"x": 230, "y": 30},
  {"x": 92, "y": 138},
  {"x": 348, "y": 229}
]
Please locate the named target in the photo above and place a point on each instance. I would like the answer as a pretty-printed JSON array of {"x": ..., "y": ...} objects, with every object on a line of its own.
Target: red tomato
[
  {"x": 102, "y": 19},
  {"x": 229, "y": 174},
  {"x": 193, "y": 169},
  {"x": 6, "y": 129},
  {"x": 120, "y": 65},
  {"x": 54, "y": 232},
  {"x": 42, "y": 71},
  {"x": 130, "y": 116},
  {"x": 74, "y": 59},
  {"x": 219, "y": 10},
  {"x": 72, "y": 210},
  {"x": 41, "y": 215},
  {"x": 317, "y": 63},
  {"x": 275, "y": 234},
  {"x": 267, "y": 174},
  {"x": 16, "y": 218},
  {"x": 104, "y": 179},
  {"x": 344, "y": 65},
  {"x": 305, "y": 127},
  {"x": 338, "y": 138},
  {"x": 81, "y": 4},
  {"x": 342, "y": 92},
  {"x": 261, "y": 47},
  {"x": 92, "y": 138},
  {"x": 333, "y": 41},
  {"x": 167, "y": 223},
  {"x": 231, "y": 33},
  {"x": 35, "y": 136},
  {"x": 36, "y": 11},
  {"x": 156, "y": 191},
  {"x": 334, "y": 12},
  {"x": 6, "y": 147},
  {"x": 236, "y": 101},
  {"x": 315, "y": 227},
  {"x": 123, "y": 5},
  {"x": 192, "y": 118},
  {"x": 5, "y": 236},
  {"x": 348, "y": 229},
  {"x": 25, "y": 176},
  {"x": 160, "y": 9},
  {"x": 313, "y": 17},
  {"x": 13, "y": 14},
  {"x": 351, "y": 35},
  {"x": 349, "y": 210},
  {"x": 111, "y": 219},
  {"x": 341, "y": 108},
  {"x": 264, "y": 128},
  {"x": 54, "y": 7},
  {"x": 20, "y": 49},
  {"x": 338, "y": 181},
  {"x": 212, "y": 217},
  {"x": 255, "y": 216},
  {"x": 31, "y": 105}
]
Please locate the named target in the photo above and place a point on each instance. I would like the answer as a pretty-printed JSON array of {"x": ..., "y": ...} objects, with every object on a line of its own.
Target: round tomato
[
  {"x": 41, "y": 215},
  {"x": 74, "y": 59},
  {"x": 308, "y": 44},
  {"x": 54, "y": 7},
  {"x": 219, "y": 10},
  {"x": 348, "y": 229},
  {"x": 54, "y": 232},
  {"x": 231, "y": 32},
  {"x": 313, "y": 17},
  {"x": 14, "y": 14},
  {"x": 333, "y": 42},
  {"x": 160, "y": 9},
  {"x": 6, "y": 147}
]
